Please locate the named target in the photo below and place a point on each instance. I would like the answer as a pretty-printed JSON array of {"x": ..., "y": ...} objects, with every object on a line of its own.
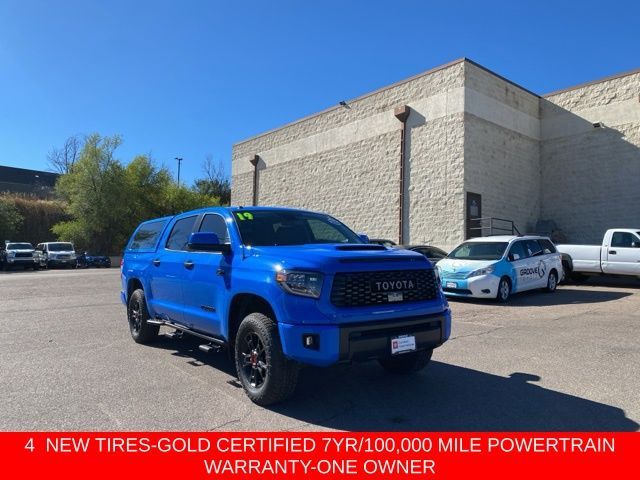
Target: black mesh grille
[
  {"x": 354, "y": 289},
  {"x": 24, "y": 255}
]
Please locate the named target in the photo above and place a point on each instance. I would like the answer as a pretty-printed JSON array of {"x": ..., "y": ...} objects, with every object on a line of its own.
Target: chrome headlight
[
  {"x": 482, "y": 271},
  {"x": 11, "y": 254},
  {"x": 307, "y": 284}
]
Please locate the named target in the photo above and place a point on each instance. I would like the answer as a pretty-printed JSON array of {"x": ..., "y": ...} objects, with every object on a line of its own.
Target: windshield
[
  {"x": 60, "y": 247},
  {"x": 19, "y": 246},
  {"x": 479, "y": 251},
  {"x": 290, "y": 227}
]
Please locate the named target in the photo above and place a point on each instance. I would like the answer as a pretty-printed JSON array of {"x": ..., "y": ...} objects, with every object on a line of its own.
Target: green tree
[
  {"x": 146, "y": 190},
  {"x": 95, "y": 189},
  {"x": 107, "y": 200},
  {"x": 215, "y": 182},
  {"x": 10, "y": 220}
]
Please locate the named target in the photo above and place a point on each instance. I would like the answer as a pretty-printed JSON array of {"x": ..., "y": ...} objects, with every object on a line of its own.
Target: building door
[{"x": 474, "y": 212}]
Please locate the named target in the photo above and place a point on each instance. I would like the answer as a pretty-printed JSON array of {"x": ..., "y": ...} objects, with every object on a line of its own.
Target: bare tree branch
[
  {"x": 62, "y": 159},
  {"x": 215, "y": 182}
]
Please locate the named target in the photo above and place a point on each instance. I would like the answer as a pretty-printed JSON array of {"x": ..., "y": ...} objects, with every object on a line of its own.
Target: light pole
[{"x": 179, "y": 159}]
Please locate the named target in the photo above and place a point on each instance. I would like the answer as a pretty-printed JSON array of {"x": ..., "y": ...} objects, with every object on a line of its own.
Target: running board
[
  {"x": 217, "y": 342},
  {"x": 209, "y": 347}
]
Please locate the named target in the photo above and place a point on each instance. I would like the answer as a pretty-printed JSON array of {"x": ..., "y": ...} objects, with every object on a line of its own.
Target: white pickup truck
[{"x": 619, "y": 254}]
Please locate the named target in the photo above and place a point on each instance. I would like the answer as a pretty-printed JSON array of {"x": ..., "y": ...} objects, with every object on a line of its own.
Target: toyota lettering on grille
[{"x": 393, "y": 285}]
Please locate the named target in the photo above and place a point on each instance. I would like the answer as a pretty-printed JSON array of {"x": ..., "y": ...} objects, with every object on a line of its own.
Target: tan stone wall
[
  {"x": 591, "y": 176},
  {"x": 502, "y": 160},
  {"x": 346, "y": 161},
  {"x": 470, "y": 130},
  {"x": 436, "y": 185},
  {"x": 357, "y": 184}
]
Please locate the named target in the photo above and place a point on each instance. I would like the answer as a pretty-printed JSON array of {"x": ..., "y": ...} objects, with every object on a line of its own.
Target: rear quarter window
[
  {"x": 547, "y": 246},
  {"x": 147, "y": 236}
]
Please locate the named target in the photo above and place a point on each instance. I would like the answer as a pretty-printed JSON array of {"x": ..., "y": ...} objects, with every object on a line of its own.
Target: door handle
[
  {"x": 156, "y": 262},
  {"x": 612, "y": 252},
  {"x": 220, "y": 271},
  {"x": 188, "y": 264}
]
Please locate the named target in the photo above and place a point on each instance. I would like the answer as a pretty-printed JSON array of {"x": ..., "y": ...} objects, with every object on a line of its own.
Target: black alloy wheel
[{"x": 255, "y": 368}]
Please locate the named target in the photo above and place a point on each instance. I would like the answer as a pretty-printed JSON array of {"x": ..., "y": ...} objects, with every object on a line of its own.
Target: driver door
[
  {"x": 622, "y": 256},
  {"x": 519, "y": 266}
]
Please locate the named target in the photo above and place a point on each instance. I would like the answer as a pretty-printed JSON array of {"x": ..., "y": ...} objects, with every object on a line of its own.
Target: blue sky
[{"x": 190, "y": 78}]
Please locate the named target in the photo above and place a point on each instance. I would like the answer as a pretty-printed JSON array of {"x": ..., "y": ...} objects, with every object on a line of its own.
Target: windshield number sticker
[{"x": 244, "y": 215}]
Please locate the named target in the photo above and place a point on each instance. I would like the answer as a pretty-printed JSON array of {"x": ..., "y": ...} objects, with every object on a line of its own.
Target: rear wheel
[
  {"x": 406, "y": 362},
  {"x": 137, "y": 313},
  {"x": 552, "y": 282},
  {"x": 266, "y": 375},
  {"x": 504, "y": 290}
]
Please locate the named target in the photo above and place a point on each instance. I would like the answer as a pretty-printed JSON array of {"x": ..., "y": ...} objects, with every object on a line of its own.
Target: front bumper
[
  {"x": 483, "y": 286},
  {"x": 22, "y": 261},
  {"x": 53, "y": 262},
  {"x": 362, "y": 341}
]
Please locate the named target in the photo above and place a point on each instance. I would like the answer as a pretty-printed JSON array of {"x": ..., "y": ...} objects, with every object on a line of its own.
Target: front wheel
[
  {"x": 406, "y": 362},
  {"x": 137, "y": 313},
  {"x": 504, "y": 290},
  {"x": 266, "y": 375}
]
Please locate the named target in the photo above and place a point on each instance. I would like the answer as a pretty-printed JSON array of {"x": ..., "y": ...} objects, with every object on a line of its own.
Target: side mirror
[
  {"x": 635, "y": 244},
  {"x": 513, "y": 257},
  {"x": 364, "y": 237},
  {"x": 207, "y": 242}
]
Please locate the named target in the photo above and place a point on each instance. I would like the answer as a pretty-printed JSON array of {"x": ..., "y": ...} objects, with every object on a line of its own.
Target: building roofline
[
  {"x": 592, "y": 82},
  {"x": 505, "y": 79},
  {"x": 423, "y": 74},
  {"x": 356, "y": 99}
]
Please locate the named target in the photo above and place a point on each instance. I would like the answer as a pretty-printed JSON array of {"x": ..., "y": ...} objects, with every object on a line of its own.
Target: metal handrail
[{"x": 507, "y": 226}]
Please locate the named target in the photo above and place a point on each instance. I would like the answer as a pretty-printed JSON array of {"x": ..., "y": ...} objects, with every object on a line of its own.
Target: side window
[
  {"x": 517, "y": 251},
  {"x": 434, "y": 253},
  {"x": 214, "y": 223},
  {"x": 546, "y": 246},
  {"x": 146, "y": 238},
  {"x": 532, "y": 248},
  {"x": 179, "y": 236},
  {"x": 623, "y": 239}
]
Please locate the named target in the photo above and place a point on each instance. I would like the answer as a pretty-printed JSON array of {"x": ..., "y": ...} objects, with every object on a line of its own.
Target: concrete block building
[{"x": 422, "y": 160}]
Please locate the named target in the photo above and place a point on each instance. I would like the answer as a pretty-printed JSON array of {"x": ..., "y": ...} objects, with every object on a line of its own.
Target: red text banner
[{"x": 318, "y": 455}]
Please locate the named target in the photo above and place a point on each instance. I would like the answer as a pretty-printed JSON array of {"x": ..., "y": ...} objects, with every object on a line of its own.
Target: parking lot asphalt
[{"x": 567, "y": 361}]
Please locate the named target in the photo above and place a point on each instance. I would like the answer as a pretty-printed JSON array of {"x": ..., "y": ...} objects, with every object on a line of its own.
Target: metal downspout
[{"x": 402, "y": 114}]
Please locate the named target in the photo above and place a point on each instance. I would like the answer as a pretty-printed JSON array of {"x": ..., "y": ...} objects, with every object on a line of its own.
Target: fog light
[
  {"x": 486, "y": 290},
  {"x": 311, "y": 341}
]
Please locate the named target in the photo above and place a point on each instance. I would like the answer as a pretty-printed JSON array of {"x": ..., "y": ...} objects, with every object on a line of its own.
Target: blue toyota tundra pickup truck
[{"x": 281, "y": 288}]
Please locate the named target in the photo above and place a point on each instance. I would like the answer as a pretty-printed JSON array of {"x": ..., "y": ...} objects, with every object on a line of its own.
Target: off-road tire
[
  {"x": 279, "y": 375},
  {"x": 137, "y": 314},
  {"x": 407, "y": 362}
]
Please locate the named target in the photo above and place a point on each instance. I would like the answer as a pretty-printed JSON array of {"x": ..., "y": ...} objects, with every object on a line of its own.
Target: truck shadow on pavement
[
  {"x": 568, "y": 295},
  {"x": 443, "y": 397}
]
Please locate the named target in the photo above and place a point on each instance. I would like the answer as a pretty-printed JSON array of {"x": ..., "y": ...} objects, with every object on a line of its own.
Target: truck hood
[
  {"x": 463, "y": 266},
  {"x": 333, "y": 257}
]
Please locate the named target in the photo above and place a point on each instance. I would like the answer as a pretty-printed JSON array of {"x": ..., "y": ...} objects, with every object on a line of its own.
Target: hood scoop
[
  {"x": 389, "y": 259},
  {"x": 361, "y": 247}
]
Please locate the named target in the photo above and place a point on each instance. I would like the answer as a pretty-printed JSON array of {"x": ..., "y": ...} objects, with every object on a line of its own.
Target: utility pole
[{"x": 179, "y": 159}]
